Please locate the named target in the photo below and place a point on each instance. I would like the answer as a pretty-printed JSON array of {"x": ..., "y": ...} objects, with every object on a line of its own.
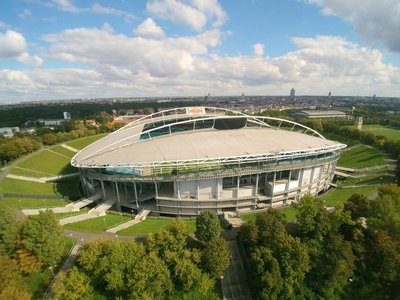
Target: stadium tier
[{"x": 186, "y": 160}]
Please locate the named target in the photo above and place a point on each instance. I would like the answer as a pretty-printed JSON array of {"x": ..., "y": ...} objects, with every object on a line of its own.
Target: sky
[{"x": 66, "y": 49}]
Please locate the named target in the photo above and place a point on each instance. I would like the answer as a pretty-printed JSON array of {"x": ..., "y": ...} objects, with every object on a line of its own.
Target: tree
[
  {"x": 357, "y": 205},
  {"x": 72, "y": 286},
  {"x": 249, "y": 233},
  {"x": 11, "y": 283},
  {"x": 124, "y": 268},
  {"x": 169, "y": 239},
  {"x": 43, "y": 236},
  {"x": 207, "y": 226},
  {"x": 216, "y": 257},
  {"x": 265, "y": 268},
  {"x": 8, "y": 229},
  {"x": 313, "y": 218}
]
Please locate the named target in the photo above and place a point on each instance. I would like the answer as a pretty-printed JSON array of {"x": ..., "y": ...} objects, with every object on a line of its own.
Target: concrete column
[
  {"x": 288, "y": 182},
  {"x": 118, "y": 198},
  {"x": 218, "y": 187},
  {"x": 197, "y": 189},
  {"x": 156, "y": 187},
  {"x": 311, "y": 179},
  {"x": 273, "y": 188},
  {"x": 238, "y": 186},
  {"x": 126, "y": 190},
  {"x": 178, "y": 192},
  {"x": 103, "y": 189},
  {"x": 136, "y": 197},
  {"x": 256, "y": 191}
]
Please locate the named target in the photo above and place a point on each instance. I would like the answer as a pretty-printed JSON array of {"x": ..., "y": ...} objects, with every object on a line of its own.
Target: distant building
[
  {"x": 317, "y": 114},
  {"x": 292, "y": 94},
  {"x": 50, "y": 122},
  {"x": 91, "y": 123},
  {"x": 8, "y": 132},
  {"x": 66, "y": 115}
]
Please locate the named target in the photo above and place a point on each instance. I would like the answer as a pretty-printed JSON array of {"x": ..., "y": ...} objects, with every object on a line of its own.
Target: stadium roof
[{"x": 256, "y": 139}]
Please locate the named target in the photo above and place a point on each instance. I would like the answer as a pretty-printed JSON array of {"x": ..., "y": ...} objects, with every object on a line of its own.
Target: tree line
[
  {"x": 35, "y": 245},
  {"x": 167, "y": 265},
  {"x": 350, "y": 253}
]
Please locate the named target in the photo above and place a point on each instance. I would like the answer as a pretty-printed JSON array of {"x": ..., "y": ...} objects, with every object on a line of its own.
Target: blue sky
[{"x": 61, "y": 49}]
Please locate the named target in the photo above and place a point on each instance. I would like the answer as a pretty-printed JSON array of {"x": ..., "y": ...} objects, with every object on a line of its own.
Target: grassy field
[
  {"x": 338, "y": 196},
  {"x": 63, "y": 151},
  {"x": 72, "y": 213},
  {"x": 339, "y": 138},
  {"x": 390, "y": 133},
  {"x": 99, "y": 224},
  {"x": 61, "y": 188},
  {"x": 83, "y": 142},
  {"x": 27, "y": 203},
  {"x": 366, "y": 180},
  {"x": 360, "y": 157},
  {"x": 47, "y": 162},
  {"x": 152, "y": 225},
  {"x": 289, "y": 212}
]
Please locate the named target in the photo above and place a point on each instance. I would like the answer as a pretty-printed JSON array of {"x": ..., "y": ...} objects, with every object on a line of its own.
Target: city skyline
[{"x": 64, "y": 49}]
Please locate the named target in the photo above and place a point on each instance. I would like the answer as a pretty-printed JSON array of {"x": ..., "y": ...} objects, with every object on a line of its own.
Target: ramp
[
  {"x": 139, "y": 218},
  {"x": 84, "y": 202},
  {"x": 99, "y": 210}
]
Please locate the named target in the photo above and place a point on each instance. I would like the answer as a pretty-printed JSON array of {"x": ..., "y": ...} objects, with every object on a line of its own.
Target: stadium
[{"x": 185, "y": 160}]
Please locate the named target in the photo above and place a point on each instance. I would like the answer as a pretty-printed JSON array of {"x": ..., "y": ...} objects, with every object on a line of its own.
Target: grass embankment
[
  {"x": 83, "y": 142},
  {"x": 361, "y": 157},
  {"x": 338, "y": 196},
  {"x": 50, "y": 162},
  {"x": 339, "y": 138},
  {"x": 388, "y": 132},
  {"x": 289, "y": 212},
  {"x": 98, "y": 224},
  {"x": 152, "y": 225},
  {"x": 30, "y": 203}
]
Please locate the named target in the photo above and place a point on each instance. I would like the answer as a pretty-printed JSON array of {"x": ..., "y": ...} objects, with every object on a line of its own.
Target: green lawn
[
  {"x": 337, "y": 196},
  {"x": 152, "y": 225},
  {"x": 72, "y": 213},
  {"x": 360, "y": 157},
  {"x": 289, "y": 212},
  {"x": 48, "y": 162},
  {"x": 27, "y": 203},
  {"x": 339, "y": 138},
  {"x": 83, "y": 142},
  {"x": 68, "y": 187},
  {"x": 366, "y": 180},
  {"x": 390, "y": 133},
  {"x": 63, "y": 151},
  {"x": 98, "y": 224}
]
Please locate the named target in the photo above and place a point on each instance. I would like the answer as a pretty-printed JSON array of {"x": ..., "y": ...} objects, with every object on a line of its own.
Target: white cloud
[
  {"x": 25, "y": 14},
  {"x": 69, "y": 6},
  {"x": 65, "y": 5},
  {"x": 166, "y": 57},
  {"x": 377, "y": 22},
  {"x": 32, "y": 60},
  {"x": 148, "y": 28},
  {"x": 258, "y": 49},
  {"x": 13, "y": 46},
  {"x": 195, "y": 15},
  {"x": 141, "y": 66}
]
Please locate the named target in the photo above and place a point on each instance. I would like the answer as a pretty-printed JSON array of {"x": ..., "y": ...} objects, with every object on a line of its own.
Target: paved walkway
[
  {"x": 99, "y": 210},
  {"x": 234, "y": 285},
  {"x": 41, "y": 179},
  {"x": 69, "y": 148},
  {"x": 139, "y": 218}
]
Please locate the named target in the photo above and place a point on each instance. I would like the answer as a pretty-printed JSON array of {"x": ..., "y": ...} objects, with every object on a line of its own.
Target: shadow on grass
[{"x": 70, "y": 186}]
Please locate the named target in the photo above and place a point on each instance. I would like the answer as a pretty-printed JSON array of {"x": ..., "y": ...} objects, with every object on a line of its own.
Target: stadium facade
[{"x": 186, "y": 160}]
